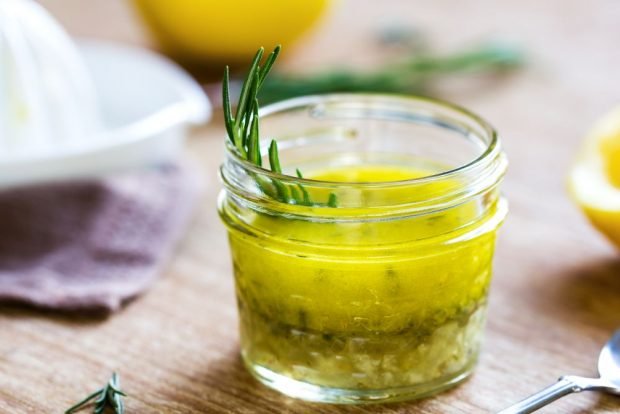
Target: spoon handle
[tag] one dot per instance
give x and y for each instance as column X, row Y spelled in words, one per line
column 564, row 386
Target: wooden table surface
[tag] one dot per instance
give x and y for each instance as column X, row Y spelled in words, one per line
column 555, row 298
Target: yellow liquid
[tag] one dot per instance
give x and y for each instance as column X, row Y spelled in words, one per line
column 369, row 174
column 365, row 305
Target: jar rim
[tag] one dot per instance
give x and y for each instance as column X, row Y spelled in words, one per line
column 492, row 147
column 464, row 182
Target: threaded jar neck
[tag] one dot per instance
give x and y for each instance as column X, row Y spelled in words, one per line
column 461, row 151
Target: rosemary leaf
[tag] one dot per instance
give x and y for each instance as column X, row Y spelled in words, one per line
column 116, row 393
column 281, row 190
column 269, row 63
column 305, row 195
column 274, row 158
column 274, row 162
column 332, row 201
column 296, row 194
column 108, row 396
column 306, row 198
column 249, row 114
column 254, row 154
column 85, row 401
column 247, row 85
column 228, row 119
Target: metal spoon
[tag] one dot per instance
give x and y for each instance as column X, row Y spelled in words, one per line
column 609, row 381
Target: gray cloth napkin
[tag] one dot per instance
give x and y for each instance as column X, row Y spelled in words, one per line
column 91, row 245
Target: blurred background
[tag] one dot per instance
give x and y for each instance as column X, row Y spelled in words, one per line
column 540, row 72
column 567, row 46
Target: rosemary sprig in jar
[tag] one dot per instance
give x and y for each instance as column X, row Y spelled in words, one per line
column 243, row 132
column 108, row 396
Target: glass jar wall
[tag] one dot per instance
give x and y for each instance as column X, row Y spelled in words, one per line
column 367, row 279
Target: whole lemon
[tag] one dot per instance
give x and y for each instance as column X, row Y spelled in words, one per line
column 207, row 31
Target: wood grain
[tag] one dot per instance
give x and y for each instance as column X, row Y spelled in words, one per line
column 555, row 297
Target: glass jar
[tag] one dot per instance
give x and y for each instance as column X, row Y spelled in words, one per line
column 373, row 290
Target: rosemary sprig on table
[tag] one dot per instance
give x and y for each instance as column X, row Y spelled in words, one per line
column 108, row 396
column 410, row 75
column 243, row 132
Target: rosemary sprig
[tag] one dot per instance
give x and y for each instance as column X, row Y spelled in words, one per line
column 108, row 396
column 243, row 132
column 411, row 75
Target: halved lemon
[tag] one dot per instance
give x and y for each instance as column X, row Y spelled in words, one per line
column 595, row 178
column 230, row 31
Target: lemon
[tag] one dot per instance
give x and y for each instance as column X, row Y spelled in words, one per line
column 204, row 31
column 595, row 179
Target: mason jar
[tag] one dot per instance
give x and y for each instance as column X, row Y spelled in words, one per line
column 374, row 286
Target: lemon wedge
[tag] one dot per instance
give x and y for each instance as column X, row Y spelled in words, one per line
column 595, row 178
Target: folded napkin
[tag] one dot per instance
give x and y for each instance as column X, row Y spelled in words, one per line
column 91, row 245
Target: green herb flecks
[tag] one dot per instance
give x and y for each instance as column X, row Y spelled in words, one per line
column 110, row 396
column 243, row 131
